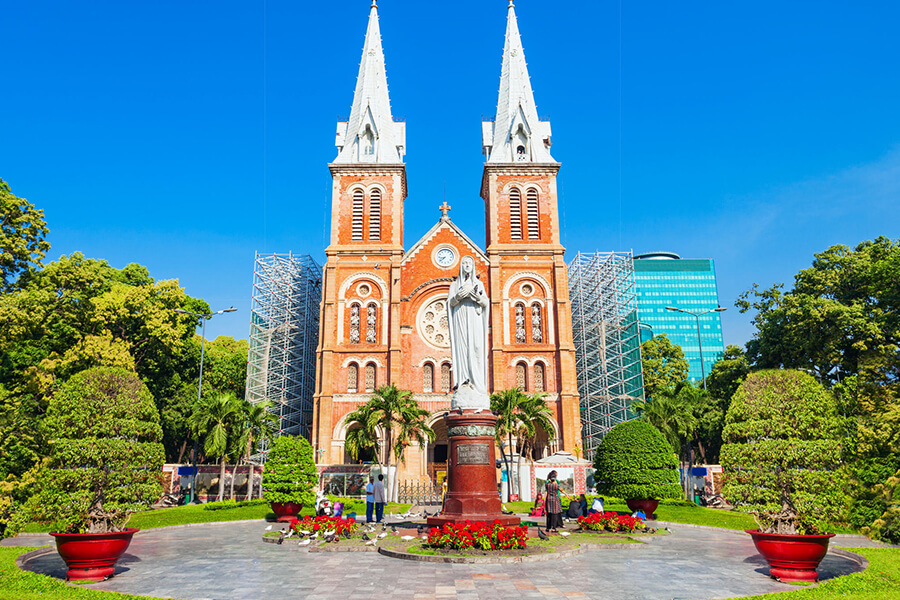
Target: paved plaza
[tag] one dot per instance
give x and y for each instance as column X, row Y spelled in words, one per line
column 229, row 561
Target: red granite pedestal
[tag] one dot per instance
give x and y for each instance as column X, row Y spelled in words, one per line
column 471, row 472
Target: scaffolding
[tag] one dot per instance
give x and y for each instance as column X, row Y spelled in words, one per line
column 284, row 332
column 607, row 341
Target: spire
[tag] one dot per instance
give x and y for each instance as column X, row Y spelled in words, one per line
column 371, row 135
column 516, row 135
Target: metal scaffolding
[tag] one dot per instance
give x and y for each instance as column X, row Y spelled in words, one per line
column 284, row 332
column 607, row 341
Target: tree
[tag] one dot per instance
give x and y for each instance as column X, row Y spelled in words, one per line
column 782, row 458
column 290, row 474
column 105, row 456
column 256, row 425
column 534, row 414
column 664, row 364
column 506, row 404
column 635, row 461
column 22, row 232
column 363, row 437
column 214, row 420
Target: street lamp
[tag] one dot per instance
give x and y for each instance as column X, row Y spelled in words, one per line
column 205, row 317
column 699, row 343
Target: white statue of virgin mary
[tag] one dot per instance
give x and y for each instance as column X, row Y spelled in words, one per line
column 467, row 308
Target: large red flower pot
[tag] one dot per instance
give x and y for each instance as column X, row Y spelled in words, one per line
column 92, row 556
column 791, row 557
column 286, row 511
column 648, row 506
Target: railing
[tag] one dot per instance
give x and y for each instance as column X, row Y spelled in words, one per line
column 418, row 492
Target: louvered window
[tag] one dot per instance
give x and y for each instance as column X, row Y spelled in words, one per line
column 375, row 215
column 515, row 214
column 520, row 375
column 352, row 378
column 428, row 378
column 354, row 324
column 538, row 377
column 358, row 215
column 537, row 328
column 534, row 222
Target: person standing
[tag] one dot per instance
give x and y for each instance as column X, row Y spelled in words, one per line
column 378, row 498
column 370, row 498
column 553, row 504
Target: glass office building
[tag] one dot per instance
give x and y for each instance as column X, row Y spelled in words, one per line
column 664, row 279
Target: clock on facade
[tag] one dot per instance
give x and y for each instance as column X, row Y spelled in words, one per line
column 445, row 257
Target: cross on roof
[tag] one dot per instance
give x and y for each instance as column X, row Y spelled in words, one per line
column 444, row 208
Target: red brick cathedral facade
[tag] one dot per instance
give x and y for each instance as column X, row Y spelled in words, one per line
column 384, row 314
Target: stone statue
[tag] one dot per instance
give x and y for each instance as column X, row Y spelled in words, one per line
column 467, row 308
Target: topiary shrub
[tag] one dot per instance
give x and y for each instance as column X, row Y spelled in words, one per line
column 634, row 460
column 783, row 452
column 105, row 453
column 290, row 474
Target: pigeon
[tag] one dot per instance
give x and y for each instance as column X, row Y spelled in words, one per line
column 269, row 528
column 425, row 537
column 542, row 535
column 420, row 529
column 290, row 532
column 329, row 533
column 477, row 411
column 393, row 529
column 303, row 543
column 415, row 515
column 347, row 534
column 384, row 526
column 371, row 542
column 564, row 533
column 314, row 536
column 407, row 538
column 365, row 537
column 382, row 535
column 304, row 532
column 331, row 538
column 281, row 538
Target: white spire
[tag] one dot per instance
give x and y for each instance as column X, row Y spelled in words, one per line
column 516, row 135
column 371, row 136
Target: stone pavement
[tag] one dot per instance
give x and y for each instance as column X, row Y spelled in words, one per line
column 229, row 561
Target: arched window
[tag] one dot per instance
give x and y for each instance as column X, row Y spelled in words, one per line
column 428, row 378
column 534, row 221
column 515, row 214
column 352, row 378
column 370, row 377
column 371, row 324
column 538, row 377
column 375, row 214
column 520, row 376
column 537, row 325
column 357, row 229
column 520, row 323
column 354, row 323
column 445, row 377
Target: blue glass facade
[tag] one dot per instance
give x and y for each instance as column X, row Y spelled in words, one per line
column 664, row 279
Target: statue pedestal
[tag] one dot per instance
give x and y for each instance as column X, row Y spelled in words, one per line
column 472, row 472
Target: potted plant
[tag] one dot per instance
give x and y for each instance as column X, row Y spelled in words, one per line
column 105, row 462
column 782, row 454
column 290, row 477
column 634, row 461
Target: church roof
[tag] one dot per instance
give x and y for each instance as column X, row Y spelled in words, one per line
column 371, row 135
column 516, row 134
column 444, row 223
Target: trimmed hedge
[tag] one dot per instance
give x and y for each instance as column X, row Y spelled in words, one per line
column 290, row 474
column 634, row 460
column 783, row 452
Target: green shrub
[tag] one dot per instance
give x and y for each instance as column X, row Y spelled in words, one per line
column 290, row 474
column 887, row 526
column 634, row 460
column 105, row 453
column 782, row 458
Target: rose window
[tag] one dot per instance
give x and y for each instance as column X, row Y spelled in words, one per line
column 434, row 324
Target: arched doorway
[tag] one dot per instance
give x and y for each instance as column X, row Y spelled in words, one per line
column 366, row 455
column 438, row 452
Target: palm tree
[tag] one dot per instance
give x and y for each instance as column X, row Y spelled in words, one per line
column 213, row 419
column 364, row 437
column 256, row 425
column 506, row 405
column 411, row 427
column 533, row 414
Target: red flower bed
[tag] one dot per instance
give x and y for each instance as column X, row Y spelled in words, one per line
column 338, row 524
column 484, row 536
column 610, row 521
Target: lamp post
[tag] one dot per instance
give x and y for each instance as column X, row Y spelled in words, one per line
column 205, row 317
column 699, row 343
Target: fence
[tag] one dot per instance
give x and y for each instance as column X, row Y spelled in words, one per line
column 418, row 492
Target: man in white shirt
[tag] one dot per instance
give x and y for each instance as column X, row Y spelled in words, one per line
column 379, row 498
column 370, row 498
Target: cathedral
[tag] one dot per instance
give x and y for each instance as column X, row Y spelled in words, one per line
column 384, row 305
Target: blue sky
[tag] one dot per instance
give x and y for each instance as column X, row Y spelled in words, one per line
column 187, row 135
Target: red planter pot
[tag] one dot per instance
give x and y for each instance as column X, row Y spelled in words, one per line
column 648, row 506
column 286, row 511
column 92, row 556
column 791, row 557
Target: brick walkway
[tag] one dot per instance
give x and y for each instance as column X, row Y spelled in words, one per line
column 230, row 562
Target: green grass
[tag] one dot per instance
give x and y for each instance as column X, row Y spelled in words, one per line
column 881, row 581
column 16, row 584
